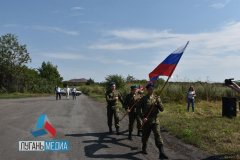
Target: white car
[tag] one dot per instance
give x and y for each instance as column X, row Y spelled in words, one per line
column 64, row 93
column 78, row 93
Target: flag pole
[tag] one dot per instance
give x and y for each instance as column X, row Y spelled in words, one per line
column 164, row 86
column 129, row 110
column 171, row 72
column 151, row 109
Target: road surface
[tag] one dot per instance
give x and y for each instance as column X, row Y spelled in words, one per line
column 83, row 123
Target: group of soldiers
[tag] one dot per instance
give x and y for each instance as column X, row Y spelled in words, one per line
column 141, row 108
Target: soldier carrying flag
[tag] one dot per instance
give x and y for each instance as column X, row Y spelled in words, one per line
column 148, row 109
column 150, row 105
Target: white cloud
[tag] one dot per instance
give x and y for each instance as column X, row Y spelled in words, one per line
column 88, row 22
column 219, row 5
column 77, row 56
column 225, row 39
column 105, row 60
column 139, row 34
column 213, row 54
column 75, row 11
column 76, row 8
column 44, row 28
column 66, row 56
column 55, row 30
column 10, row 25
column 125, row 46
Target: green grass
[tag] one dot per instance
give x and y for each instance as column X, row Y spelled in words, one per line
column 100, row 98
column 21, row 95
column 205, row 128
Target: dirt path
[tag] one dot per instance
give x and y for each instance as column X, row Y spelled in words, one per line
column 83, row 123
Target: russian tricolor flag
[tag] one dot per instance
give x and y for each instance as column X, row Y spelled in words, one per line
column 167, row 67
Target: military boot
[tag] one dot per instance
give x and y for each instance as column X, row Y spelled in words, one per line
column 144, row 149
column 162, row 154
column 110, row 130
column 117, row 130
column 130, row 135
column 139, row 133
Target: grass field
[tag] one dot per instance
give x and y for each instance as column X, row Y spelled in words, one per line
column 206, row 128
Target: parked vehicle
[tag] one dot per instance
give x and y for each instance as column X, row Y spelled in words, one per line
column 78, row 93
column 64, row 92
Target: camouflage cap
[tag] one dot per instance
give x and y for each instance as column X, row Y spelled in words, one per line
column 150, row 86
column 134, row 87
column 112, row 83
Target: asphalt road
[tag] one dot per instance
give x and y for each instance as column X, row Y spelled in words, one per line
column 83, row 123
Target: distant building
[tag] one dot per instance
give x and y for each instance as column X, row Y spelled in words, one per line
column 81, row 80
column 76, row 82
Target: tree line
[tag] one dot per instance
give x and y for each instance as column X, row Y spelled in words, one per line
column 16, row 76
column 173, row 92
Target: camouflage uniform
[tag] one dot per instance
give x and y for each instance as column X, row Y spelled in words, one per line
column 113, row 108
column 152, row 124
column 131, row 102
column 153, row 103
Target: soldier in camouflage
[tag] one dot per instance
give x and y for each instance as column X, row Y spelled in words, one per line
column 148, row 108
column 113, row 97
column 130, row 104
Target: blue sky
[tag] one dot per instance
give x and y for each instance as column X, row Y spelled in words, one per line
column 96, row 38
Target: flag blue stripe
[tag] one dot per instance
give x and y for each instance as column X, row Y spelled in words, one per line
column 154, row 78
column 168, row 66
column 172, row 59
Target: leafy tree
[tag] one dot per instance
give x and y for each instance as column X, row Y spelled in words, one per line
column 13, row 56
column 90, row 82
column 49, row 72
column 117, row 79
column 130, row 79
column 16, row 76
column 30, row 80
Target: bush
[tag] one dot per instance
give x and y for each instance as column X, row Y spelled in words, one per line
column 177, row 92
column 117, row 79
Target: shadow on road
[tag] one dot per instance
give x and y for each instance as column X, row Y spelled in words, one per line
column 224, row 157
column 105, row 140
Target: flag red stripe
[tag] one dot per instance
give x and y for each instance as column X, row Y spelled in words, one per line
column 163, row 69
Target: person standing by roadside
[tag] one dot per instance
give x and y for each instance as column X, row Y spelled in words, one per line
column 67, row 92
column 191, row 98
column 74, row 93
column 55, row 91
column 58, row 93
